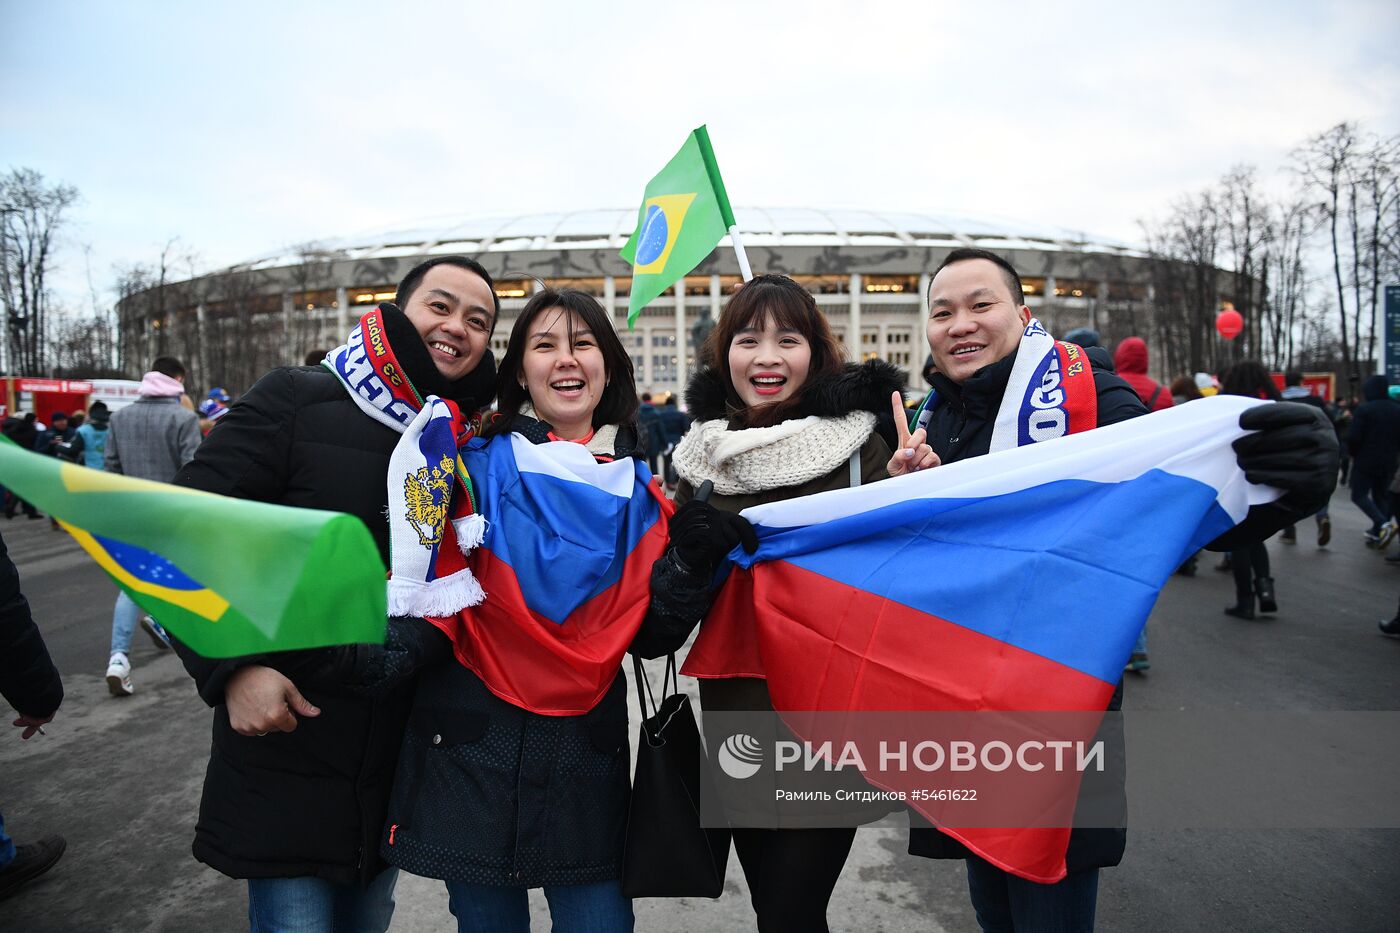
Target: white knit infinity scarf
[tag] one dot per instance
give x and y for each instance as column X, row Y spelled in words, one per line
column 754, row 459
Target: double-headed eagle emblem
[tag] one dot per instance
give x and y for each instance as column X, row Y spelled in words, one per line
column 427, row 493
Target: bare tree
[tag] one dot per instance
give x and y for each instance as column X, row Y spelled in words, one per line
column 31, row 216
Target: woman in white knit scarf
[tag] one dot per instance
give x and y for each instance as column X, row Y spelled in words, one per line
column 778, row 414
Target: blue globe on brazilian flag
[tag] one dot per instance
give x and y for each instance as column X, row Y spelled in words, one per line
column 684, row 214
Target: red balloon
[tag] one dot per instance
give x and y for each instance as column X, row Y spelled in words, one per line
column 1229, row 323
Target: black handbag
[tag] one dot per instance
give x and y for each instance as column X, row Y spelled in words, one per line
column 668, row 853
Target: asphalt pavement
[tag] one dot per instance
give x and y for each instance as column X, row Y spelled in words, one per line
column 121, row 778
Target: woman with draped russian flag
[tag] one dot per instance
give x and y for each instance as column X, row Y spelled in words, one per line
column 778, row 414
column 514, row 767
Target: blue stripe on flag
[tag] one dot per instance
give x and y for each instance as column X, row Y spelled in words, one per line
column 1055, row 569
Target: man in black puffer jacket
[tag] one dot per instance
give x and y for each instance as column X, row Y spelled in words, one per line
column 977, row 314
column 300, row 772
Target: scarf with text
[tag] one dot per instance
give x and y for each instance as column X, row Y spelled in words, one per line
column 1049, row 394
column 433, row 520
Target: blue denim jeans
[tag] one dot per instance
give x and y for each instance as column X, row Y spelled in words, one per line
column 314, row 905
column 7, row 846
column 574, row 908
column 125, row 617
column 1006, row 903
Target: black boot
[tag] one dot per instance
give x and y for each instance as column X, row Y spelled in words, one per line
column 1243, row 608
column 1264, row 586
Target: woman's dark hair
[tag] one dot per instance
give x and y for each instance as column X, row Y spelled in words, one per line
column 1185, row 386
column 789, row 306
column 409, row 284
column 618, row 403
column 1250, row 379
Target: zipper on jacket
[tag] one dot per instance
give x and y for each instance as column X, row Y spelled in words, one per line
column 392, row 828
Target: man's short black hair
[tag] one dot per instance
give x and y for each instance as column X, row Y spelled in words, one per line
column 964, row 253
column 169, row 366
column 1292, row 378
column 410, row 282
column 59, row 414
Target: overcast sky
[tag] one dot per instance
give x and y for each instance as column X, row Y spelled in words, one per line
column 244, row 127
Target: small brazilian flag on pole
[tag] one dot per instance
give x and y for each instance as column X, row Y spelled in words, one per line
column 685, row 212
column 227, row 577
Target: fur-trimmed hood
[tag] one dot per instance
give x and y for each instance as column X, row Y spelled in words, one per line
column 855, row 387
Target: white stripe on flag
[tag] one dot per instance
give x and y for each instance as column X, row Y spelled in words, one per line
column 573, row 463
column 1191, row 440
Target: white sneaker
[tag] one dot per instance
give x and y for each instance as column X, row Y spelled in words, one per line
column 119, row 676
column 1387, row 535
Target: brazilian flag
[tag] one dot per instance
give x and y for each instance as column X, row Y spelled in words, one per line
column 227, row 577
column 685, row 211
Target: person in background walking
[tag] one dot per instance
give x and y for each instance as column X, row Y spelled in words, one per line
column 25, row 433
column 90, row 444
column 653, row 433
column 1374, row 442
column 1130, row 360
column 1251, row 563
column 150, row 439
column 1295, row 391
column 676, row 423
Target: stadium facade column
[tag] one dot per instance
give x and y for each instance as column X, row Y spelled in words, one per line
column 1101, row 300
column 647, row 351
column 1047, row 305
column 610, row 298
column 287, row 337
column 201, row 340
column 680, row 335
column 342, row 315
column 854, row 346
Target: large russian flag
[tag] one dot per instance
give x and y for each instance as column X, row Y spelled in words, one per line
column 1017, row 581
column 566, row 567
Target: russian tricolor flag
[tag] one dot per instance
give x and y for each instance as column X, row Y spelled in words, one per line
column 566, row 567
column 1016, row 581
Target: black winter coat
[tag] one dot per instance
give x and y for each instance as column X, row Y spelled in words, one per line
column 961, row 428
column 28, row 679
column 1374, row 438
column 489, row 793
column 308, row 802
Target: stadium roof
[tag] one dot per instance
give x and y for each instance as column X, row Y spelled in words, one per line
column 609, row 228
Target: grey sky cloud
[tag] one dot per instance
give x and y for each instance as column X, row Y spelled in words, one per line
column 242, row 128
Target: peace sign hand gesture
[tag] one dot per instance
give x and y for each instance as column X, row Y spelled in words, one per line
column 914, row 453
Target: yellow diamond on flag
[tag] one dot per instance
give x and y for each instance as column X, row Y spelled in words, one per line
column 661, row 225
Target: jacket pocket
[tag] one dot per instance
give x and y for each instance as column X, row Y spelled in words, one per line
column 433, row 732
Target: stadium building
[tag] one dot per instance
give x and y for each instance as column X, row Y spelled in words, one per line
column 869, row 271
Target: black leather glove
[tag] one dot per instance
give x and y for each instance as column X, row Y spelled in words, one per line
column 1294, row 449
column 701, row 535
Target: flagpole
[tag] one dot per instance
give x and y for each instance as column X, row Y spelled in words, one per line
column 739, row 253
column 707, row 152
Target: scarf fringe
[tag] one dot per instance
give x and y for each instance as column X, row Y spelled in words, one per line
column 445, row 596
column 471, row 532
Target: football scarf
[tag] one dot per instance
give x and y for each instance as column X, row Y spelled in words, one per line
column 1049, row 394
column 433, row 521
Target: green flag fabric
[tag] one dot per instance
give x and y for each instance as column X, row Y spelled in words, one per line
column 227, row 577
column 684, row 214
